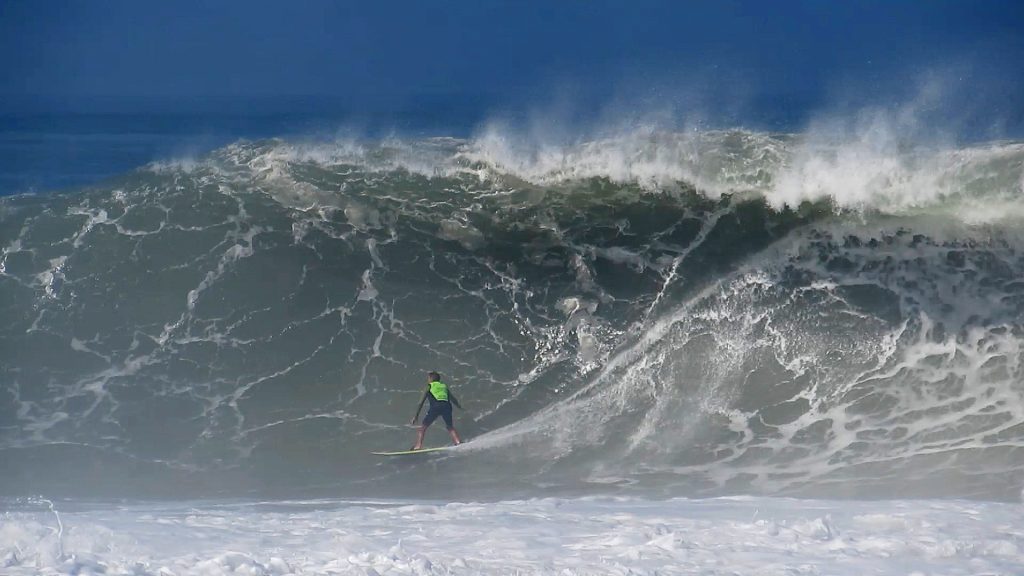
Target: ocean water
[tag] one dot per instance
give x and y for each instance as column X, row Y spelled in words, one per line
column 681, row 351
column 720, row 536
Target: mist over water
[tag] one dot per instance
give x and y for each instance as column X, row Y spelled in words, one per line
column 832, row 313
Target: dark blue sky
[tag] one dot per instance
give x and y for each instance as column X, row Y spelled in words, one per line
column 385, row 55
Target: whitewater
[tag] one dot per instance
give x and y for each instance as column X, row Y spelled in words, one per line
column 681, row 352
column 741, row 535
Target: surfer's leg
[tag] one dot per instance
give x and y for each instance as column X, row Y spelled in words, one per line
column 419, row 437
column 422, row 431
column 447, row 416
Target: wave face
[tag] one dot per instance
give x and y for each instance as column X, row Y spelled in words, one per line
column 673, row 314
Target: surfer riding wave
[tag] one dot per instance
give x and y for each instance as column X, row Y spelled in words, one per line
column 441, row 399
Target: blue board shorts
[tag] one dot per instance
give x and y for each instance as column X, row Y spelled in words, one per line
column 442, row 409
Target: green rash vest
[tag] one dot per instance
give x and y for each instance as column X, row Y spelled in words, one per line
column 439, row 390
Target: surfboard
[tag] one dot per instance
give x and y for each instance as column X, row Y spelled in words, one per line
column 407, row 452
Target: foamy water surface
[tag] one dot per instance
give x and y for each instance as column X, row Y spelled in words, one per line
column 722, row 536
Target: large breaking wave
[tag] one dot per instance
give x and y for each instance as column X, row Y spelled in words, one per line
column 676, row 313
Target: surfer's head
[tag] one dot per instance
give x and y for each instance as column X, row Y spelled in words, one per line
column 433, row 376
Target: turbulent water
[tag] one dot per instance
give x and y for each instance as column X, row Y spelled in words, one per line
column 732, row 536
column 652, row 313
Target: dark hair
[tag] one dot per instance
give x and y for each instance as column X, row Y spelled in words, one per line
column 434, row 376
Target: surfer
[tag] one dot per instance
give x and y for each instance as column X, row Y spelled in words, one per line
column 441, row 400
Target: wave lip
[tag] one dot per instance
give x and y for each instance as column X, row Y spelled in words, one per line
column 866, row 170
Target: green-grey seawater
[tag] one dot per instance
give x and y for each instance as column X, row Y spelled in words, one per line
column 664, row 314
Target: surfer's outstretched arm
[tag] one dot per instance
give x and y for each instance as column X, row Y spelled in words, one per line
column 454, row 400
column 420, row 407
